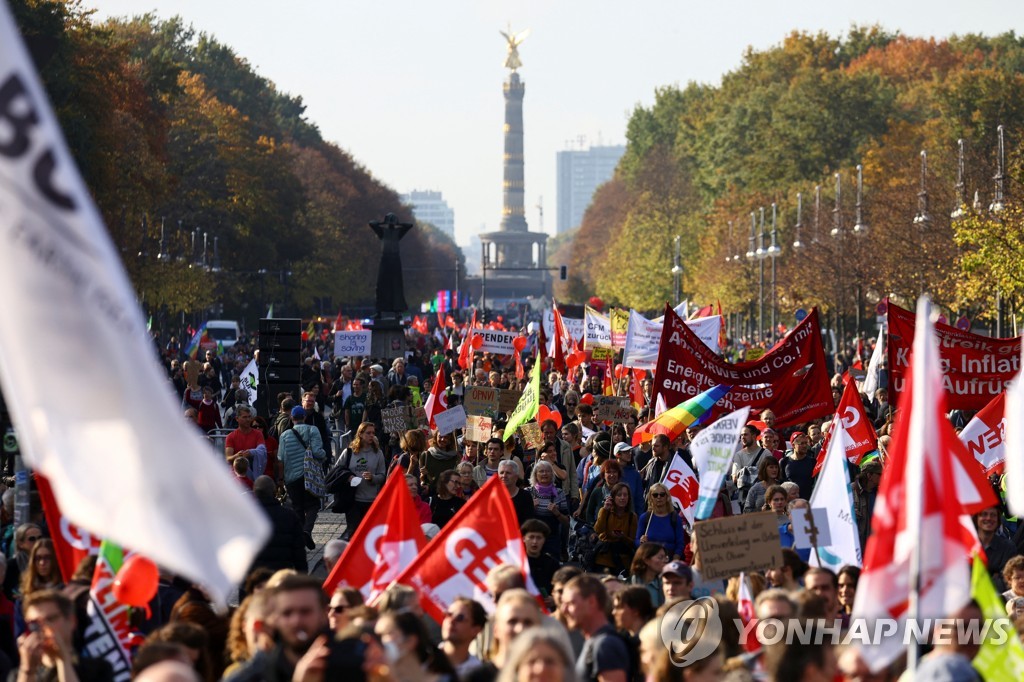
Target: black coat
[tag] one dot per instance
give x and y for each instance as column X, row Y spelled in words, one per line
column 286, row 547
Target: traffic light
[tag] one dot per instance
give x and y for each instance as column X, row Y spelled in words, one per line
column 563, row 272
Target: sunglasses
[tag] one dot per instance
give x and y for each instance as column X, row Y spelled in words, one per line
column 339, row 608
column 33, row 538
column 456, row 617
column 659, row 495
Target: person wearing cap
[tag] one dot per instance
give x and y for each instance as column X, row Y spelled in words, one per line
column 676, row 582
column 292, row 453
column 377, row 377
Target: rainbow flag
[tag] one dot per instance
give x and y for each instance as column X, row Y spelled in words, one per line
column 673, row 422
column 192, row 350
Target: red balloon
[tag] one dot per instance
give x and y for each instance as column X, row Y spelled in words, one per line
column 137, row 581
column 640, row 374
column 596, row 303
column 587, row 399
column 477, row 341
column 621, row 371
column 519, row 343
column 544, row 414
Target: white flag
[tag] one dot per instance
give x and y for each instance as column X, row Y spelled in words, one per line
column 643, row 338
column 251, row 380
column 874, row 366
column 833, row 493
column 712, row 450
column 683, row 487
column 1015, row 446
column 123, row 462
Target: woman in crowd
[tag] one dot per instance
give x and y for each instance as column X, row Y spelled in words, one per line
column 768, row 474
column 549, row 453
column 848, row 578
column 611, row 474
column 448, row 499
column 42, row 573
column 615, row 527
column 631, row 608
column 413, row 443
column 343, row 602
column 770, row 442
column 467, row 486
column 540, row 654
column 442, row 455
column 661, row 524
column 367, row 464
column 645, row 570
column 422, row 508
column 414, row 658
column 549, row 505
column 517, row 611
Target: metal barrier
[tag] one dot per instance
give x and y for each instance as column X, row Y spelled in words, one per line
column 217, row 437
column 341, row 440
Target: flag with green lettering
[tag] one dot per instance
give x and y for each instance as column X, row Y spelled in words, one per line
column 1001, row 656
column 528, row 404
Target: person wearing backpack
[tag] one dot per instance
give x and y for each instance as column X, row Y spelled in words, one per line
column 745, row 461
column 605, row 655
column 296, row 443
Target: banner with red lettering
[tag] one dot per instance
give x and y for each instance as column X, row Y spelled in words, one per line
column 985, row 436
column 975, row 368
column 71, row 544
column 861, row 432
column 792, row 379
column 483, row 534
column 388, row 538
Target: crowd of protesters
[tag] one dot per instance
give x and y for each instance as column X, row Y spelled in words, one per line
column 607, row 550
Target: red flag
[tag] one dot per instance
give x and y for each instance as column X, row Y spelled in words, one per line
column 388, row 538
column 466, row 349
column 437, row 401
column 984, row 436
column 863, row 438
column 745, row 605
column 636, row 397
column 917, row 511
column 71, row 544
column 562, row 342
column 440, row 320
column 449, row 322
column 338, row 323
column 483, row 534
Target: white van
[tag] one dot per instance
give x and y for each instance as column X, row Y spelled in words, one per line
column 224, row 332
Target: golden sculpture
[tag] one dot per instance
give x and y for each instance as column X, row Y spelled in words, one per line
column 514, row 40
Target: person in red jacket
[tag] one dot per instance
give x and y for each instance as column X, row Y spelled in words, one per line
column 208, row 409
column 422, row 508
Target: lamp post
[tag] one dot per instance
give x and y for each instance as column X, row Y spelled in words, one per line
column 861, row 225
column 677, row 272
column 797, row 244
column 997, row 204
column 773, row 252
column 761, row 255
column 837, row 232
column 751, row 250
column 958, row 188
column 923, row 219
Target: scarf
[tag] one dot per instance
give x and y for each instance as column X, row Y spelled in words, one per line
column 546, row 490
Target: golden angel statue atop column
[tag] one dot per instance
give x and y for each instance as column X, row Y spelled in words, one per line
column 514, row 40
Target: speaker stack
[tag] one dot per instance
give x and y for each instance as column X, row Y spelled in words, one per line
column 279, row 364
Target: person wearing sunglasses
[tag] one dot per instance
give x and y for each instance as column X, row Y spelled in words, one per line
column 661, row 523
column 463, row 622
column 343, row 600
column 25, row 537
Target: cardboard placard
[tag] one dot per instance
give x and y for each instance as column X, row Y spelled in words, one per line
column 610, row 408
column 532, row 436
column 477, row 429
column 602, row 353
column 807, row 522
column 508, row 398
column 450, row 419
column 481, row 400
column 396, row 419
column 352, row 343
column 731, row 544
column 754, row 354
column 419, row 419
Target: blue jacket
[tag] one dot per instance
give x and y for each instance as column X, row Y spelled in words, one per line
column 292, row 452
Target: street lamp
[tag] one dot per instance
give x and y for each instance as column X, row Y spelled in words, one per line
column 761, row 253
column 773, row 252
column 817, row 213
column 677, row 272
column 751, row 250
column 797, row 244
column 923, row 219
column 860, row 226
column 997, row 205
column 837, row 217
column 958, row 210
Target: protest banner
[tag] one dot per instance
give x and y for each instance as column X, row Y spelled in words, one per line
column 615, row 409
column 71, row 544
column 793, row 379
column 108, row 632
column 597, row 330
column 449, row 420
column 533, row 437
column 574, row 326
column 480, row 400
column 619, row 322
column 352, row 344
column 975, row 368
column 477, row 429
column 728, row 545
column 508, row 398
column 396, row 419
column 838, row 542
column 712, row 450
column 495, row 341
column 985, row 436
column 811, row 529
column 643, row 338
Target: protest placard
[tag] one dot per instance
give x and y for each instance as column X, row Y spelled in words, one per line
column 352, row 343
column 728, row 545
column 508, row 398
column 396, row 419
column 477, row 429
column 498, row 342
column 450, row 419
column 610, row 408
column 532, row 436
column 481, row 400
column 810, row 528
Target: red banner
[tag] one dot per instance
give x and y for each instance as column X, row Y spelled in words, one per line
column 792, row 379
column 482, row 535
column 975, row 368
column 70, row 543
column 388, row 538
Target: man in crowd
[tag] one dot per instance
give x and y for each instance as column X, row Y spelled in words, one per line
column 605, row 657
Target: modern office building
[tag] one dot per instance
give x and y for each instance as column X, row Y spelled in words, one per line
column 580, row 173
column 430, row 207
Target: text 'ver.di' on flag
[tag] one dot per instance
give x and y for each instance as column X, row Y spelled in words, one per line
column 112, row 441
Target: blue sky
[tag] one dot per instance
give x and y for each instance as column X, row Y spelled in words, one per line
column 412, row 89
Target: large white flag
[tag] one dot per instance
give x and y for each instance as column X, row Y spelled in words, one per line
column 870, row 384
column 251, row 380
column 712, row 450
column 643, row 338
column 833, row 493
column 683, row 487
column 123, row 462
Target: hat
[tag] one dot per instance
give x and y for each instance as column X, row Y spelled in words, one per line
column 376, row 368
column 601, row 448
column 796, row 434
column 622, row 447
column 298, row 412
column 678, row 568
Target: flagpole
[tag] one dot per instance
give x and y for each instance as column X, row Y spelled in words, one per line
column 916, row 474
column 664, row 475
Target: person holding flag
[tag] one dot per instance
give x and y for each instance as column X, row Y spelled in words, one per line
column 661, row 523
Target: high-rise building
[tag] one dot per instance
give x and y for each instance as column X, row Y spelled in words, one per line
column 580, row 173
column 430, row 207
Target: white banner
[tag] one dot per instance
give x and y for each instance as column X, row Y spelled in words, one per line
column 59, row 263
column 352, row 344
column 833, row 492
column 573, row 325
column 712, row 450
column 683, row 487
column 450, row 419
column 597, row 329
column 498, row 342
column 643, row 338
column 251, row 380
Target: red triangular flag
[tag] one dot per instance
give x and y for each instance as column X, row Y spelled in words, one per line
column 863, row 438
column 437, row 401
column 388, row 538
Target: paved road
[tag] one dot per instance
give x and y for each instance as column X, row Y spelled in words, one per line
column 328, row 527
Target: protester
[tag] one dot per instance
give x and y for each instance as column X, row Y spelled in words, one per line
column 367, row 464
column 661, row 523
column 447, row 500
column 298, row 443
column 615, row 527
